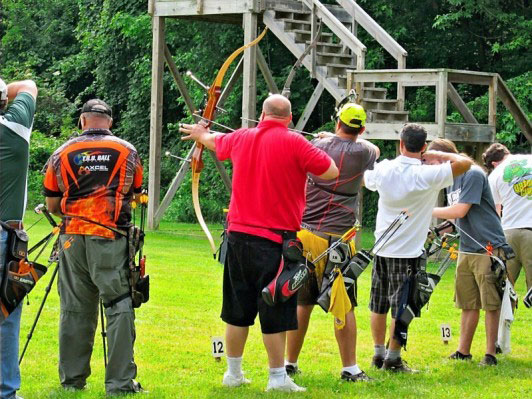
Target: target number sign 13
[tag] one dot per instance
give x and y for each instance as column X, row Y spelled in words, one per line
column 445, row 330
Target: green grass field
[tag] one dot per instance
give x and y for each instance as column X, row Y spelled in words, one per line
column 174, row 330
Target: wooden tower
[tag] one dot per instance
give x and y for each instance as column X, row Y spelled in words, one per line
column 337, row 61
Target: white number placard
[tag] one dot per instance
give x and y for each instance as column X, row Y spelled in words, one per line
column 218, row 346
column 445, row 331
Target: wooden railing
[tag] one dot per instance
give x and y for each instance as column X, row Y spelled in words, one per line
column 345, row 35
column 443, row 80
column 382, row 37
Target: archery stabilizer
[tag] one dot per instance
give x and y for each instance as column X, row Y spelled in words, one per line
column 357, row 264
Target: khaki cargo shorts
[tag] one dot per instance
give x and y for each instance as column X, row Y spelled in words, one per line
column 475, row 283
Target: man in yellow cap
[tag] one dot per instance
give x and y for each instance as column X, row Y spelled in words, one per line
column 329, row 213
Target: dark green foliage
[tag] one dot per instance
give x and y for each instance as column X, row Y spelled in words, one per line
column 78, row 49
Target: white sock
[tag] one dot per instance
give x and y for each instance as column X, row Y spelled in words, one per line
column 353, row 370
column 234, row 366
column 277, row 376
column 287, row 363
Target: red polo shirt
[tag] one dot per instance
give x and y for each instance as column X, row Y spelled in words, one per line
column 270, row 166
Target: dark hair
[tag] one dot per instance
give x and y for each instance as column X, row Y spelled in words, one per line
column 443, row 145
column 413, row 137
column 353, row 131
column 495, row 153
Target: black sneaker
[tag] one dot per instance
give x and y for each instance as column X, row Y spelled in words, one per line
column 292, row 370
column 498, row 349
column 488, row 360
column 398, row 366
column 460, row 356
column 347, row 376
column 377, row 361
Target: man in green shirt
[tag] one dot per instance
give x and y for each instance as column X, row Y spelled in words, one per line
column 16, row 120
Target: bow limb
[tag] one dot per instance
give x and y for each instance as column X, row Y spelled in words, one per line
column 208, row 115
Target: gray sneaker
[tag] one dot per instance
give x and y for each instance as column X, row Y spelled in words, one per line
column 398, row 366
column 292, row 370
column 488, row 360
column 346, row 376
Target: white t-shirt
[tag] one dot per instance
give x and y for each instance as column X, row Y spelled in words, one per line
column 511, row 186
column 405, row 184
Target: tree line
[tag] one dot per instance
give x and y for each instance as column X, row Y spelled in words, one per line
column 79, row 49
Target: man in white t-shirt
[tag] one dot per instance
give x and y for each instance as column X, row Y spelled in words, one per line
column 511, row 187
column 404, row 183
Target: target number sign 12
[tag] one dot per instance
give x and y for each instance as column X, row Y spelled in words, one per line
column 217, row 347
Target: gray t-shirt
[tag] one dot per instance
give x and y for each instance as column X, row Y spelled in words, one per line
column 331, row 204
column 481, row 222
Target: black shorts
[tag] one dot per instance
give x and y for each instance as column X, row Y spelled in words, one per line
column 387, row 279
column 251, row 263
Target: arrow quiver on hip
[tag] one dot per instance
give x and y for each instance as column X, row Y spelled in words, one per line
column 18, row 275
column 139, row 282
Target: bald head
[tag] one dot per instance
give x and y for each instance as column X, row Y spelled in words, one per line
column 277, row 106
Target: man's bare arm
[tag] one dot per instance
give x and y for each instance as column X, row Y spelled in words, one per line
column 199, row 134
column 23, row 86
column 455, row 211
column 53, row 204
column 330, row 173
column 459, row 163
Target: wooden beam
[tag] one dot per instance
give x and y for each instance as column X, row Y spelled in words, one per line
column 176, row 8
column 309, row 108
column 181, row 86
column 174, row 186
column 265, row 70
column 515, row 109
column 462, row 132
column 460, row 104
column 249, row 86
column 156, row 119
column 231, row 82
column 222, row 171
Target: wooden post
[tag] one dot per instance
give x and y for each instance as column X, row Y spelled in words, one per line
column 401, row 64
column 156, row 119
column 492, row 112
column 313, row 31
column 441, row 103
column 249, row 86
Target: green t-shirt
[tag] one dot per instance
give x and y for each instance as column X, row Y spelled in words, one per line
column 15, row 130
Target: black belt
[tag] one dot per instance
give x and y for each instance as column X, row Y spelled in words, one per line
column 14, row 224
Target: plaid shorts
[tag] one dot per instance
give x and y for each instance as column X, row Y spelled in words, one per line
column 387, row 278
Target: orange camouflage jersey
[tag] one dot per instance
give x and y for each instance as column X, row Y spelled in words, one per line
column 96, row 175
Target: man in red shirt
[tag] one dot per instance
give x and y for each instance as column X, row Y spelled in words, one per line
column 270, row 166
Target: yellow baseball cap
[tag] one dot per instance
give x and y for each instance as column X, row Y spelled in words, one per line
column 352, row 115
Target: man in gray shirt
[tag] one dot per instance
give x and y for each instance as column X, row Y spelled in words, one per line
column 481, row 235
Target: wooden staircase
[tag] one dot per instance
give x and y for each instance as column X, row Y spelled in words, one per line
column 333, row 57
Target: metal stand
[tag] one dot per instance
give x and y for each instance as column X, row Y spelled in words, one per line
column 104, row 334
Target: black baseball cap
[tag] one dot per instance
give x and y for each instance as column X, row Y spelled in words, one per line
column 98, row 106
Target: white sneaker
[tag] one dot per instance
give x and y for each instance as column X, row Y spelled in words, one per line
column 287, row 386
column 231, row 381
